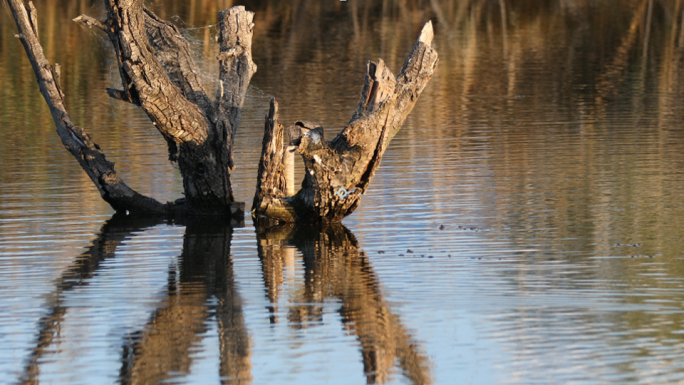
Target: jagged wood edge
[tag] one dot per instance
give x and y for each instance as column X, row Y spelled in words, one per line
column 348, row 162
column 162, row 55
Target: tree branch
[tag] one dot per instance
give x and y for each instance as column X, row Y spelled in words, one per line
column 76, row 140
column 90, row 22
column 145, row 79
column 159, row 75
column 172, row 51
column 236, row 69
column 339, row 172
column 235, row 57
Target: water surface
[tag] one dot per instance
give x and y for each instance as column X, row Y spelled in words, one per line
column 526, row 224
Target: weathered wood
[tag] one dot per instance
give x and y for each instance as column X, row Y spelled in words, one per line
column 338, row 172
column 158, row 74
column 145, row 79
column 236, row 69
column 288, row 164
column 271, row 183
column 172, row 51
column 76, row 140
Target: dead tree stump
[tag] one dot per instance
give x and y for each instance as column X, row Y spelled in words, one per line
column 158, row 74
column 339, row 171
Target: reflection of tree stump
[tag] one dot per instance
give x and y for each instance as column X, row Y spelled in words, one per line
column 336, row 268
column 205, row 272
column 163, row 348
column 84, row 267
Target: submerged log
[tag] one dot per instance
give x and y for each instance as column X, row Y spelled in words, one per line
column 339, row 171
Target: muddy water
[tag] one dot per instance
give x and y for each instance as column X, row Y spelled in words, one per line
column 526, row 225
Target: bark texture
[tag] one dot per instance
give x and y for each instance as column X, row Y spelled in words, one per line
column 75, row 139
column 339, row 171
column 158, row 74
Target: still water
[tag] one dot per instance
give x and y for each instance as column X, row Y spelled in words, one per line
column 526, row 225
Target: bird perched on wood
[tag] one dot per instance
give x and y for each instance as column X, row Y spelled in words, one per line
column 306, row 135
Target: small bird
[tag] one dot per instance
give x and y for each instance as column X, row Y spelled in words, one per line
column 306, row 134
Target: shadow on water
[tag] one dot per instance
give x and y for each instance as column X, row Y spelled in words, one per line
column 335, row 267
column 202, row 289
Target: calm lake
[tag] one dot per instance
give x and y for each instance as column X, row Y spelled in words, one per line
column 526, row 225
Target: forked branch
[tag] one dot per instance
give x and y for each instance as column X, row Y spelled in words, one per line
column 158, row 74
column 338, row 172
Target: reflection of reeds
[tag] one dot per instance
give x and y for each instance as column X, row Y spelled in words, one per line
column 615, row 71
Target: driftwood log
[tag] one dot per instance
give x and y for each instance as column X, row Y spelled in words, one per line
column 158, row 74
column 339, row 171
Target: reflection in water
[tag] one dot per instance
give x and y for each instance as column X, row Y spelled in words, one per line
column 336, row 268
column 205, row 276
column 200, row 290
column 554, row 124
column 113, row 232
